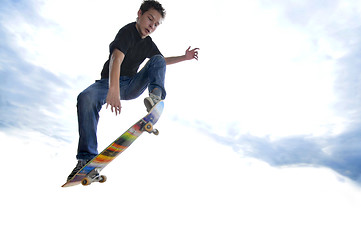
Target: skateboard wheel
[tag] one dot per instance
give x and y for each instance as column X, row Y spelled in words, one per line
column 86, row 181
column 102, row 178
column 156, row 132
column 148, row 127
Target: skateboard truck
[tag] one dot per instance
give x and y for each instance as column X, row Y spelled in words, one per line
column 149, row 128
column 94, row 177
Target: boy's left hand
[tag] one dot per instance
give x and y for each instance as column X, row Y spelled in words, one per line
column 191, row 54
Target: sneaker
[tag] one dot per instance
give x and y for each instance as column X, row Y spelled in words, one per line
column 80, row 165
column 150, row 101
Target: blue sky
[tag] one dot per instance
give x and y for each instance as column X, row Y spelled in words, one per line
column 268, row 119
column 31, row 96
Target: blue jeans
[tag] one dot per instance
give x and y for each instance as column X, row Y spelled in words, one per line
column 91, row 100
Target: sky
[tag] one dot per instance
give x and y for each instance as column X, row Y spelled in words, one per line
column 259, row 138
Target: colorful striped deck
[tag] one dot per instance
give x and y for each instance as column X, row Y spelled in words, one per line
column 118, row 146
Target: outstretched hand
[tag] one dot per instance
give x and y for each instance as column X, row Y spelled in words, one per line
column 191, row 54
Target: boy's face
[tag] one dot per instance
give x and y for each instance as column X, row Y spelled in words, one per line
column 148, row 22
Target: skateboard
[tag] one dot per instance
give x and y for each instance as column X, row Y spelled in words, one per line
column 90, row 172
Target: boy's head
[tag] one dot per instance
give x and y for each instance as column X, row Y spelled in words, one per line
column 148, row 4
column 150, row 16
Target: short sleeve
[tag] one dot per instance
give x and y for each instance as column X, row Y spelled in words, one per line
column 123, row 41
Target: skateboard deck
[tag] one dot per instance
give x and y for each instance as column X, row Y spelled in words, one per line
column 90, row 172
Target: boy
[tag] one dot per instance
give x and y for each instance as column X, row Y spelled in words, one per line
column 120, row 79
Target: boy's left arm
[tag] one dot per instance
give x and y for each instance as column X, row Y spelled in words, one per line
column 189, row 55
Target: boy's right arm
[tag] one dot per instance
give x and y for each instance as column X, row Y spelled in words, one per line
column 113, row 97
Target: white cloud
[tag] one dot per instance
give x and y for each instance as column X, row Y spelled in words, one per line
column 183, row 189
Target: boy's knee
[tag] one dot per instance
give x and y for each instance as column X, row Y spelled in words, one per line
column 158, row 59
column 85, row 100
column 82, row 98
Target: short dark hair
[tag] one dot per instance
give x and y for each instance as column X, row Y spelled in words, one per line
column 148, row 4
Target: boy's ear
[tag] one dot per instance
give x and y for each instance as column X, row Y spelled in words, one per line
column 140, row 13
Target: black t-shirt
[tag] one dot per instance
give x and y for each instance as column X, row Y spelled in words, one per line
column 135, row 49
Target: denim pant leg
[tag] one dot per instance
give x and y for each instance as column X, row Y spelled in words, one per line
column 90, row 102
column 152, row 76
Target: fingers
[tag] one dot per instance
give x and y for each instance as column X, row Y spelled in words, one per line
column 115, row 108
column 196, row 55
column 193, row 52
column 118, row 110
